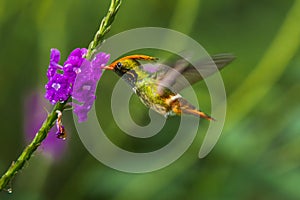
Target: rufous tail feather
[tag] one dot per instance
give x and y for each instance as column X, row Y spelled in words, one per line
column 198, row 114
column 181, row 105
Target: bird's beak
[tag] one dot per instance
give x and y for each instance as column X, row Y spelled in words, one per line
column 108, row 67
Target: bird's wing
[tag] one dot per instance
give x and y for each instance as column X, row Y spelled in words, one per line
column 184, row 74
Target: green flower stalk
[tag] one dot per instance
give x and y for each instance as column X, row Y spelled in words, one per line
column 104, row 27
column 59, row 107
column 31, row 148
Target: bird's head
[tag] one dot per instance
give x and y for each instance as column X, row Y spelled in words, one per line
column 127, row 63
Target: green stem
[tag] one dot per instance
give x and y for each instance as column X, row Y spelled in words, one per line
column 50, row 121
column 30, row 149
column 104, row 27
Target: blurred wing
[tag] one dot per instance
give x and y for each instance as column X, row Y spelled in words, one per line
column 184, row 74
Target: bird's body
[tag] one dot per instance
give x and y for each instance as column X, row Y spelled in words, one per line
column 147, row 92
column 153, row 88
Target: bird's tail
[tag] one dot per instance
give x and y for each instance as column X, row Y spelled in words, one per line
column 198, row 113
column 181, row 105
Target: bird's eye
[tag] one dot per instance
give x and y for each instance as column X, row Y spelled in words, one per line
column 119, row 65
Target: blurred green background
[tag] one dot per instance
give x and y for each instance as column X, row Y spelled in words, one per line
column 257, row 156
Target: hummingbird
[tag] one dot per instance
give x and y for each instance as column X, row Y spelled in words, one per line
column 159, row 89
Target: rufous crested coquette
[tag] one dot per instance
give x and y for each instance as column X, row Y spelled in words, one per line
column 158, row 90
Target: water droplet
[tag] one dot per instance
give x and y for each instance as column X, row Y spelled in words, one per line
column 9, row 190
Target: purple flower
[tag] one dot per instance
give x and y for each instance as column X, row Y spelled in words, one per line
column 86, row 83
column 61, row 78
column 73, row 63
column 62, row 85
column 53, row 65
column 58, row 88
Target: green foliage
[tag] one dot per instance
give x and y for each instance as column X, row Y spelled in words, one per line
column 257, row 156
